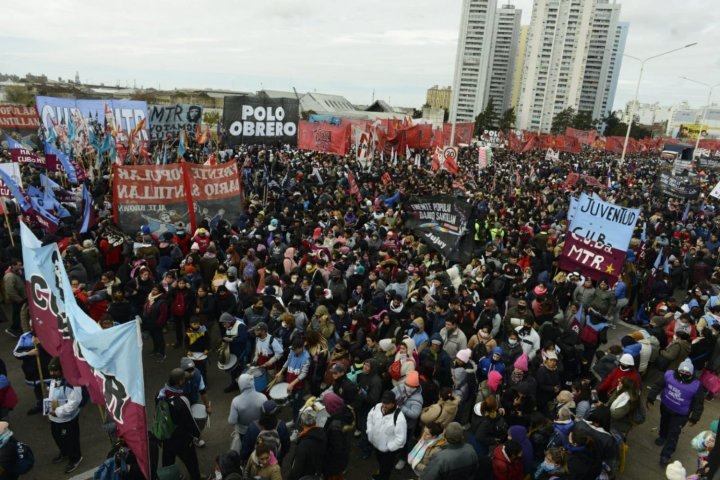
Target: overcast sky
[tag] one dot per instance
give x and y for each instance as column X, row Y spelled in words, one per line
column 396, row 48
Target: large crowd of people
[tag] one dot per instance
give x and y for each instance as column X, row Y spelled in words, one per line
column 505, row 367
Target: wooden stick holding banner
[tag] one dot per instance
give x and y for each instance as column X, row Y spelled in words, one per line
column 7, row 222
column 39, row 366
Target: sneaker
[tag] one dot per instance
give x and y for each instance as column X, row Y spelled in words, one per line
column 199, row 442
column 13, row 333
column 400, row 464
column 59, row 459
column 72, row 466
column 294, row 435
column 659, row 441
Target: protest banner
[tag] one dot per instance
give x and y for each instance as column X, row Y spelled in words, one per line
column 108, row 362
column 71, row 119
column 415, row 136
column 677, row 187
column 21, row 154
column 152, row 195
column 594, row 259
column 463, row 133
column 215, row 193
column 566, row 143
column 12, row 171
column 324, row 137
column 707, row 162
column 573, row 178
column 715, row 192
column 171, row 119
column 445, row 159
column 682, row 166
column 604, row 222
column 585, row 137
column 493, row 138
column 254, row 119
column 442, row 221
column 364, row 145
column 18, row 118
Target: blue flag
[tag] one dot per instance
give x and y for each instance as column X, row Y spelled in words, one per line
column 87, row 209
column 40, row 210
column 164, row 161
column 15, row 190
column 64, row 161
column 181, row 145
column 50, row 183
column 643, row 233
column 14, row 144
column 71, row 128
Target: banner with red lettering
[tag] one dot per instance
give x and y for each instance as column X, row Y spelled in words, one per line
column 215, row 193
column 463, row 133
column 19, row 118
column 564, row 143
column 586, row 137
column 324, row 137
column 595, row 260
column 152, row 195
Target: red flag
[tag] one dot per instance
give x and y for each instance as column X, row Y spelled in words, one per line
column 515, row 144
column 547, row 141
column 445, row 159
column 531, row 143
column 614, row 144
column 418, row 136
column 354, row 189
column 386, row 178
column 586, row 137
column 324, row 137
column 564, row 143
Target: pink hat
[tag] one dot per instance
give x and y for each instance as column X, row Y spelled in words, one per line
column 464, row 355
column 333, row 403
column 412, row 379
column 522, row 363
column 494, row 380
column 540, row 289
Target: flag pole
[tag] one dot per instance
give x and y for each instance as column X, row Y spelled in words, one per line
column 39, row 366
column 7, row 223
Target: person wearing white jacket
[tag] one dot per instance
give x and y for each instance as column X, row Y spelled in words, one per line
column 387, row 432
column 64, row 407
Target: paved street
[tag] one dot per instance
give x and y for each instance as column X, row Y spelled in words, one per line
column 642, row 458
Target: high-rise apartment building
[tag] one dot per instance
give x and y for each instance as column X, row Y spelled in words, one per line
column 572, row 59
column 506, row 41
column 472, row 62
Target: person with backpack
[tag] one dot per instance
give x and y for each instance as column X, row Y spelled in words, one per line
column 120, row 464
column 387, row 432
column 63, row 411
column 311, row 445
column 175, row 426
column 181, row 299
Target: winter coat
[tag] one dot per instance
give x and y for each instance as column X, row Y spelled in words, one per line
column 386, row 432
column 442, row 412
column 269, row 472
column 505, row 469
column 674, row 354
column 453, row 461
column 584, row 463
column 410, row 402
column 610, row 383
column 339, row 429
column 308, row 457
column 547, row 380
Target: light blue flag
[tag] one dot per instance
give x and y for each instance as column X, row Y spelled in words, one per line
column 164, row 161
column 14, row 144
column 15, row 190
column 39, row 207
column 64, row 161
column 72, row 129
column 643, row 234
column 116, row 351
column 181, row 145
column 87, row 208
column 48, row 182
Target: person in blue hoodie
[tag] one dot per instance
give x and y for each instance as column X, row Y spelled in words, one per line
column 631, row 346
column 489, row 363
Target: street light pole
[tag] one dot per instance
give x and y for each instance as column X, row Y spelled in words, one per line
column 705, row 109
column 637, row 91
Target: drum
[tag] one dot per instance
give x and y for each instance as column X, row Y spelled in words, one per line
column 260, row 376
column 200, row 415
column 279, row 393
column 229, row 364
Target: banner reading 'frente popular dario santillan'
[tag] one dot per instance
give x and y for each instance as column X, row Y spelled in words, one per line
column 442, row 221
column 215, row 192
column 255, row 119
column 152, row 195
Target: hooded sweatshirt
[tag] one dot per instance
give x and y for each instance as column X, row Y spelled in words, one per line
column 245, row 408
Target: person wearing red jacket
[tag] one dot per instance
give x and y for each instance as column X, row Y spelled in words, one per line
column 507, row 461
column 626, row 368
column 681, row 323
column 202, row 238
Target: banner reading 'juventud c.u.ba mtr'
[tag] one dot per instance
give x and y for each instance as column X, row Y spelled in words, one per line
column 160, row 196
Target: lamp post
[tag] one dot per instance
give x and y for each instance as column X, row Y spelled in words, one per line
column 705, row 109
column 637, row 91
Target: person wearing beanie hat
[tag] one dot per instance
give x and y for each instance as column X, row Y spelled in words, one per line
column 464, row 378
column 521, row 363
column 408, row 395
column 439, row 357
column 387, row 432
column 682, row 399
column 235, row 338
column 339, row 428
column 419, row 335
column 625, row 369
column 456, row 460
column 490, row 363
column 494, row 381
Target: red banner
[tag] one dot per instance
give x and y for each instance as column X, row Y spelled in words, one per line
column 463, row 133
column 564, row 143
column 417, row 136
column 586, row 137
column 709, row 144
column 215, row 193
column 572, row 179
column 547, row 141
column 531, row 143
column 515, row 144
column 354, row 189
column 324, row 137
column 18, row 117
column 595, row 260
column 614, row 144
